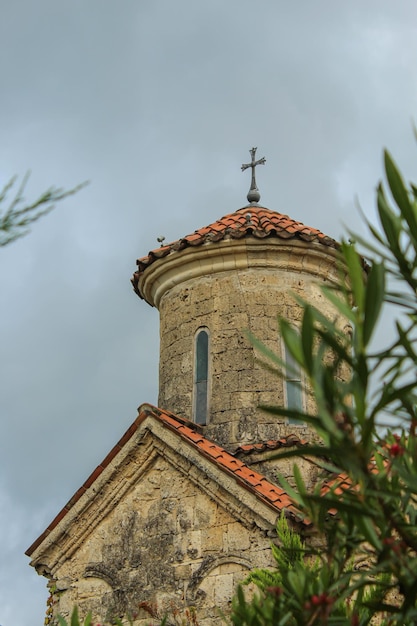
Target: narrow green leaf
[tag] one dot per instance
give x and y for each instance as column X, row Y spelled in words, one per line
column 345, row 308
column 299, row 481
column 374, row 297
column 400, row 194
column 74, row 617
column 396, row 183
column 356, row 275
column 368, row 529
column 88, row 620
column 292, row 341
column 264, row 350
column 292, row 493
column 343, row 504
column 389, row 222
column 380, row 252
column 332, row 342
column 406, row 341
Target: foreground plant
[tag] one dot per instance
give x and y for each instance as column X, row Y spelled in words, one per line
column 364, row 508
column 175, row 617
column 16, row 218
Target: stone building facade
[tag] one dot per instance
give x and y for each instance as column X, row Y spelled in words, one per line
column 187, row 501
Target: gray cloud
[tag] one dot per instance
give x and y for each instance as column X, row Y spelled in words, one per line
column 157, row 103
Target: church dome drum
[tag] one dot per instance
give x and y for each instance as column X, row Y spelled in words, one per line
column 214, row 286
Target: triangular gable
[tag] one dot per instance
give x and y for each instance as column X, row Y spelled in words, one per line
column 178, row 437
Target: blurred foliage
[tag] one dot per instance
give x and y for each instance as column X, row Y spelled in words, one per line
column 18, row 215
column 174, row 617
column 363, row 509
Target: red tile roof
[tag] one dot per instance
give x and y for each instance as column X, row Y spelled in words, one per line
column 255, row 221
column 273, row 444
column 253, row 481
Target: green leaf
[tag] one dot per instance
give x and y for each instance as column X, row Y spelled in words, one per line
column 406, row 341
column 332, row 342
column 343, row 504
column 366, row 526
column 299, row 481
column 400, row 194
column 374, row 298
column 389, row 222
column 366, row 244
column 345, row 308
column 264, row 350
column 292, row 341
column 74, row 617
column 356, row 274
column 396, row 183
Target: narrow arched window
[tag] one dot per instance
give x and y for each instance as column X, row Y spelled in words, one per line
column 293, row 386
column 201, row 367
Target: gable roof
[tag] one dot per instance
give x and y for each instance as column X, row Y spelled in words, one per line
column 255, row 221
column 270, row 494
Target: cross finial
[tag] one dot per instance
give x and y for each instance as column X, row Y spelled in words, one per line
column 253, row 195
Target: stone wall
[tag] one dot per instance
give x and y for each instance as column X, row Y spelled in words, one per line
column 168, row 544
column 228, row 303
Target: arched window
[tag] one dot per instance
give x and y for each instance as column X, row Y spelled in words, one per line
column 201, row 367
column 293, row 386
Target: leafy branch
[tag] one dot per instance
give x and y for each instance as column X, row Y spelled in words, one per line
column 18, row 216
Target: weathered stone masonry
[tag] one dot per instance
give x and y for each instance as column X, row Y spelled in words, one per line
column 177, row 513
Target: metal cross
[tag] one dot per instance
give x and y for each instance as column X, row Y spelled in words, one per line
column 253, row 194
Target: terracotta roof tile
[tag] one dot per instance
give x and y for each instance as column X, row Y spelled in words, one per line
column 337, row 484
column 227, row 460
column 253, row 478
column 284, row 442
column 211, row 448
column 254, row 221
column 190, row 434
column 270, row 491
column 253, row 481
column 175, row 423
column 193, row 237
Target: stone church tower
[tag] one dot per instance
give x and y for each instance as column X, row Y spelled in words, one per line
column 211, row 287
column 187, row 501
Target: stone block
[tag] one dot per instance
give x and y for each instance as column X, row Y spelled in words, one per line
column 212, row 539
column 236, row 539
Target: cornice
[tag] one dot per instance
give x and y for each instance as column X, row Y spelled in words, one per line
column 310, row 258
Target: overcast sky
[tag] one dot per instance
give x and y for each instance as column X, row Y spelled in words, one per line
column 157, row 104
